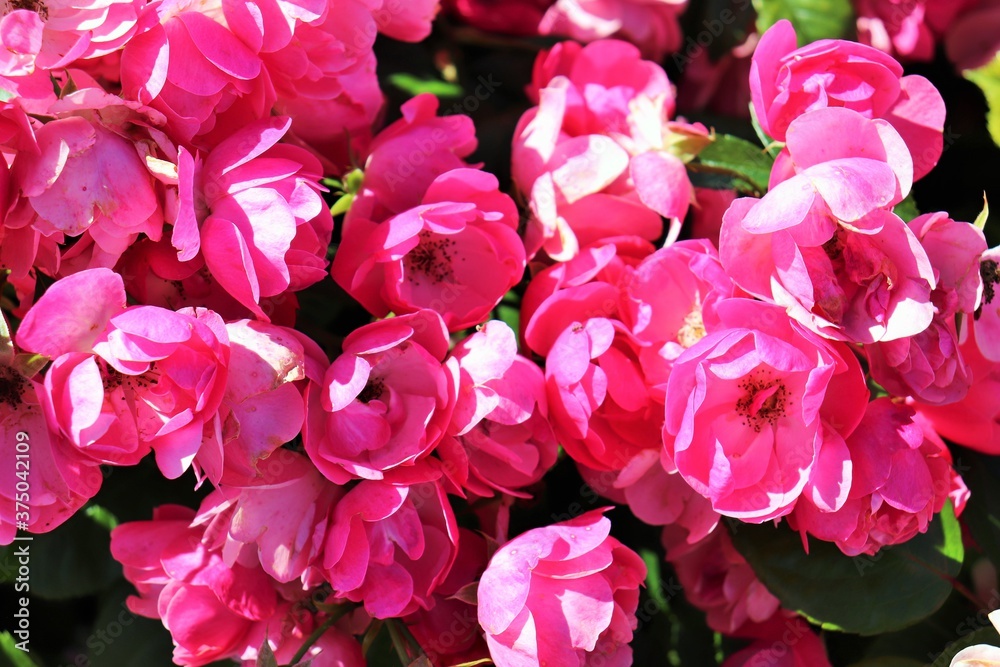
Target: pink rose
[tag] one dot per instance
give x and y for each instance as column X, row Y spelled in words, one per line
column 786, row 82
column 57, row 33
column 384, row 403
column 244, row 218
column 661, row 499
column 972, row 40
column 973, row 421
column 127, row 379
column 499, row 438
column 902, row 476
column 456, row 253
column 325, row 81
column 986, row 332
column 756, row 414
column 719, row 581
column 154, row 276
column 335, row 647
column 674, row 319
column 908, row 29
column 563, row 594
column 406, row 21
column 49, row 479
column 406, row 157
column 194, row 70
column 390, row 547
column 955, row 250
column 928, row 366
column 262, row 409
column 176, row 564
column 788, row 644
column 448, row 632
column 599, row 149
column 282, row 518
column 652, row 25
column 821, row 242
column 515, row 17
column 87, row 178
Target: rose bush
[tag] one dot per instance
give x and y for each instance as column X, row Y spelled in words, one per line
column 337, row 332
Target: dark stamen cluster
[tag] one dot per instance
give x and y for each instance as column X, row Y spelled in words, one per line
column 990, row 273
column 432, row 258
column 372, row 391
column 770, row 410
column 31, row 6
column 12, row 386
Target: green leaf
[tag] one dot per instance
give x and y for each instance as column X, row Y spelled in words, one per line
column 102, row 517
column 415, row 85
column 980, row 222
column 72, row 561
column 12, row 655
column 987, row 78
column 739, row 158
column 342, row 205
column 867, row 594
column 888, row 661
column 907, row 209
column 813, row 19
column 654, row 580
column 265, row 656
column 714, row 181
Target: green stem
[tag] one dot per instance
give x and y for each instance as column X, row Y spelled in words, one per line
column 318, row 632
column 398, row 642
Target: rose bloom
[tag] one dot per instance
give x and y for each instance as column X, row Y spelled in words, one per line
column 175, row 563
column 652, row 25
column 822, row 243
column 384, row 403
column 62, row 478
column 756, row 413
column 563, row 594
column 972, row 39
column 902, row 477
column 908, row 29
column 499, row 438
column 973, row 421
column 457, row 252
column 390, row 547
column 125, row 380
column 598, row 157
column 719, row 581
column 786, row 82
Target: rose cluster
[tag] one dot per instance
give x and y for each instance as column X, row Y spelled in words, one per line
column 797, row 355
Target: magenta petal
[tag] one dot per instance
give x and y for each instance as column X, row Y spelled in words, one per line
column 344, row 380
column 830, row 481
column 662, row 183
column 72, row 313
column 220, row 46
column 918, row 115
